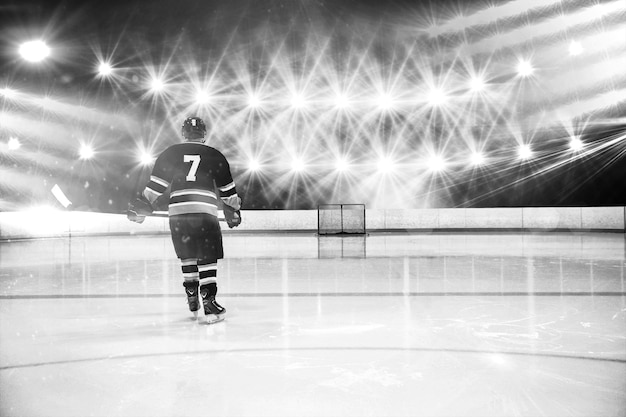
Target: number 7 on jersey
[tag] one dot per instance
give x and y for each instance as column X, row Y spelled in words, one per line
column 195, row 162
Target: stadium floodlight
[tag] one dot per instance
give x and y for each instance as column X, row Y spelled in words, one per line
column 145, row 158
column 297, row 165
column 436, row 97
column 525, row 68
column 297, row 101
column 385, row 101
column 477, row 84
column 436, row 163
column 86, row 152
column 202, row 97
column 254, row 165
column 157, row 84
column 105, row 69
column 8, row 92
column 254, row 101
column 525, row 152
column 386, row 165
column 576, row 144
column 341, row 165
column 13, row 143
column 341, row 101
column 477, row 159
column 575, row 48
column 34, row 51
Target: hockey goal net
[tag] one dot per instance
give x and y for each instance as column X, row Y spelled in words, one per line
column 334, row 219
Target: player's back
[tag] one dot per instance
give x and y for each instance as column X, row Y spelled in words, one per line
column 192, row 170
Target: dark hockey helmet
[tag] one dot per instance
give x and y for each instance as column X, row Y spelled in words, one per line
column 193, row 128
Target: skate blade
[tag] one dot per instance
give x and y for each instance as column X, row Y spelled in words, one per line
column 213, row 318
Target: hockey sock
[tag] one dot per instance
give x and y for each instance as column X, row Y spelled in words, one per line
column 191, row 284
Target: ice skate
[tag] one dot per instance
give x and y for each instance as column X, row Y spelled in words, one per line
column 213, row 312
column 192, row 299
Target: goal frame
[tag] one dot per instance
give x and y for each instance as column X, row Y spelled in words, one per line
column 341, row 230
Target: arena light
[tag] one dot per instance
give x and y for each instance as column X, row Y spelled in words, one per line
column 385, row 101
column 525, row 68
column 436, row 97
column 8, row 92
column 157, row 84
column 576, row 144
column 341, row 101
column 86, row 152
column 477, row 84
column 297, row 165
column 254, row 165
column 145, row 157
column 34, row 51
column 386, row 165
column 341, row 165
column 575, row 48
column 525, row 152
column 297, row 101
column 477, row 159
column 436, row 163
column 13, row 143
column 202, row 97
column 105, row 69
column 254, row 101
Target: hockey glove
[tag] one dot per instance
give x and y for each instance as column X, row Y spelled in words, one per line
column 138, row 209
column 232, row 216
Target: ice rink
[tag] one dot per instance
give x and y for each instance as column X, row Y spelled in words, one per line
column 392, row 324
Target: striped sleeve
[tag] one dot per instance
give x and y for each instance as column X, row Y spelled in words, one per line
column 226, row 186
column 159, row 178
column 155, row 188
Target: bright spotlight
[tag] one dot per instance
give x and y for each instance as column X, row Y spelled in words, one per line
column 86, row 152
column 14, row 143
column 145, row 158
column 525, row 152
column 297, row 165
column 105, row 69
column 477, row 84
column 34, row 51
column 254, row 165
column 524, row 68
column 341, row 101
column 436, row 97
column 477, row 159
column 157, row 84
column 436, row 163
column 341, row 165
column 576, row 144
column 297, row 101
column 254, row 101
column 202, row 97
column 8, row 93
column 385, row 165
column 575, row 48
column 385, row 101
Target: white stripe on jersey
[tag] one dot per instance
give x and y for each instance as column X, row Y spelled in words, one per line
column 193, row 192
column 188, row 207
column 159, row 181
column 227, row 187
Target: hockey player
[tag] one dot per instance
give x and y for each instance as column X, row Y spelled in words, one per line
column 196, row 176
